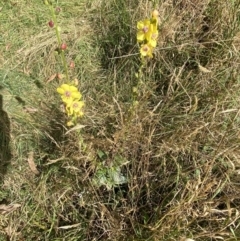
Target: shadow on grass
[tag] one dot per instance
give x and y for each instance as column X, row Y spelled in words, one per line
column 53, row 140
column 116, row 33
column 5, row 153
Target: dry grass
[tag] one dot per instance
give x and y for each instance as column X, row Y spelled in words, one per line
column 179, row 149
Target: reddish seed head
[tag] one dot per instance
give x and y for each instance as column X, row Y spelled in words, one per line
column 51, row 24
column 63, row 46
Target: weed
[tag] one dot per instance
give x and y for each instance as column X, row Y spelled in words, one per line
column 158, row 157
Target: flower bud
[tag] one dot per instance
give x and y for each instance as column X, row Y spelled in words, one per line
column 72, row 65
column 76, row 82
column 63, row 46
column 155, row 13
column 51, row 24
column 70, row 123
column 57, row 10
column 134, row 89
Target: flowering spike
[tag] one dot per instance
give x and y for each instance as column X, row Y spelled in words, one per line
column 147, row 34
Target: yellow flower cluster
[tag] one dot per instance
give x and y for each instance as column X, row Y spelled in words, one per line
column 71, row 97
column 147, row 34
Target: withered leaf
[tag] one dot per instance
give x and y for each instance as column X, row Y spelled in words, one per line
column 70, row 226
column 203, row 69
column 51, row 78
column 30, row 110
column 77, row 127
column 8, row 208
column 32, row 164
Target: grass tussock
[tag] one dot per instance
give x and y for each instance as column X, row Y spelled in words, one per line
column 164, row 169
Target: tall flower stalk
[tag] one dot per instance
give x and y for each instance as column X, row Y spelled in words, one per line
column 61, row 46
column 147, row 35
column 70, row 95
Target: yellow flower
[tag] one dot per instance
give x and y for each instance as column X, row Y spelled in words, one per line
column 75, row 108
column 146, row 50
column 69, row 93
column 143, row 29
column 152, row 36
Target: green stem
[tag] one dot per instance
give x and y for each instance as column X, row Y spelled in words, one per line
column 82, row 145
column 64, row 62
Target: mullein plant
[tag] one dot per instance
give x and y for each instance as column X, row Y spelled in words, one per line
column 147, row 35
column 70, row 95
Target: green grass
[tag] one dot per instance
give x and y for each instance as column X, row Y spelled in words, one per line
column 178, row 150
